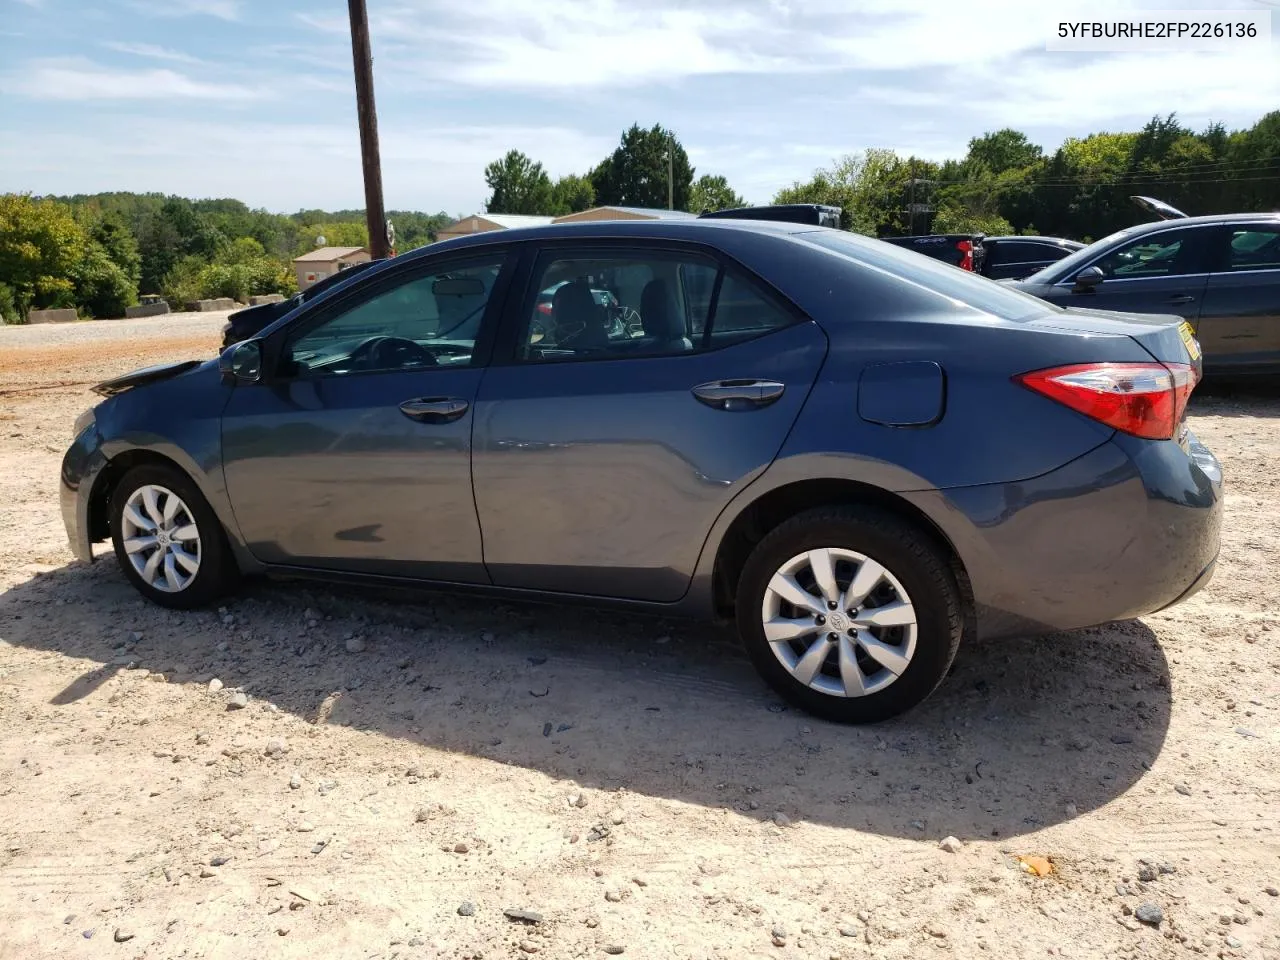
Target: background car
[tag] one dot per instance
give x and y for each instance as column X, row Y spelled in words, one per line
column 1220, row 273
column 858, row 454
column 1015, row 257
column 964, row 250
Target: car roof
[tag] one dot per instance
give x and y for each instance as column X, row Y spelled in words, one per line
column 1204, row 221
column 691, row 228
column 1033, row 238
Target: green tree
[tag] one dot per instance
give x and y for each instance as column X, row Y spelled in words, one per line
column 572, row 194
column 112, row 232
column 102, row 287
column 713, row 193
column 8, row 305
column 414, row 229
column 1003, row 150
column 953, row 218
column 336, row 233
column 40, row 246
column 518, row 185
column 174, row 231
column 831, row 186
column 182, row 283
column 636, row 174
column 242, row 250
column 872, row 190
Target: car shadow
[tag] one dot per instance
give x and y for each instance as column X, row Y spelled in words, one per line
column 1022, row 734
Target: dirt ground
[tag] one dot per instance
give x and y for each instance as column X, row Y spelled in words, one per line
column 407, row 769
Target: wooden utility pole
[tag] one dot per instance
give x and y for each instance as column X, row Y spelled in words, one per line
column 375, row 215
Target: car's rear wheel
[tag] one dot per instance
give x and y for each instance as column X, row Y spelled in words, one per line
column 167, row 539
column 850, row 613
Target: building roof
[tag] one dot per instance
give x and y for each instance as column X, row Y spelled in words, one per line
column 327, row 254
column 651, row 213
column 512, row 220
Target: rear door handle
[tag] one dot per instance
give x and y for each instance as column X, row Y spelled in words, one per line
column 1181, row 298
column 739, row 394
column 434, row 409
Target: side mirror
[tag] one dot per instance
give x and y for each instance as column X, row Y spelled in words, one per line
column 241, row 362
column 1089, row 277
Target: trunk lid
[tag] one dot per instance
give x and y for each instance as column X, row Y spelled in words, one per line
column 1161, row 209
column 1168, row 338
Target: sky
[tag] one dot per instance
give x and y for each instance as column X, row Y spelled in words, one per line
column 254, row 99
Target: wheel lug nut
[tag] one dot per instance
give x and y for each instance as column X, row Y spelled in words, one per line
column 831, row 604
column 833, row 637
column 819, row 619
column 853, row 632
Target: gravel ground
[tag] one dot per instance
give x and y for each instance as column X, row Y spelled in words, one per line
column 309, row 772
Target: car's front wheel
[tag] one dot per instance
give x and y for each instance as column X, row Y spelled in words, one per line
column 850, row 613
column 167, row 539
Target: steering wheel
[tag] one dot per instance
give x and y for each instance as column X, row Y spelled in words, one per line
column 391, row 353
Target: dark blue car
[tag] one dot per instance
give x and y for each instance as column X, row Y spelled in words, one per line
column 859, row 454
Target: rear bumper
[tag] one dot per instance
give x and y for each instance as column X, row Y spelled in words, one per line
column 1128, row 529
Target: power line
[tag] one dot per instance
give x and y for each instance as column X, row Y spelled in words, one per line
column 1135, row 178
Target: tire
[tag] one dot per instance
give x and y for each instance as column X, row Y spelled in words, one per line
column 132, row 523
column 916, row 571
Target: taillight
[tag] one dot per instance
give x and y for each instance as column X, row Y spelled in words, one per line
column 966, row 254
column 1144, row 399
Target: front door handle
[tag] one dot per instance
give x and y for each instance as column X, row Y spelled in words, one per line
column 434, row 409
column 1181, row 298
column 739, row 394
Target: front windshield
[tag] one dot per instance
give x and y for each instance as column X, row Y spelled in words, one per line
column 1067, row 265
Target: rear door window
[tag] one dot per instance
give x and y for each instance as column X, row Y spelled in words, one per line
column 613, row 303
column 1256, row 247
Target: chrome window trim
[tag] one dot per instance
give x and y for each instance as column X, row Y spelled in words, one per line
column 1111, row 280
column 1243, row 273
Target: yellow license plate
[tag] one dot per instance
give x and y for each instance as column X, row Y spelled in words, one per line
column 1189, row 338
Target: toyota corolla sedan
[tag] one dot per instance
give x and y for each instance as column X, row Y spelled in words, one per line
column 860, row 455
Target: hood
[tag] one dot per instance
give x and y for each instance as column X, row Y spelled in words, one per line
column 163, row 371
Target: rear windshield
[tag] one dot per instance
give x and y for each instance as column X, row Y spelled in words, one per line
column 955, row 284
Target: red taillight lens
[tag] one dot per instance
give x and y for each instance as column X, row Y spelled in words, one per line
column 1144, row 399
column 966, row 254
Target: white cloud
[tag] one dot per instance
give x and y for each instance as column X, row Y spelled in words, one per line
column 83, row 80
column 151, row 51
column 287, row 166
column 331, row 24
column 574, row 45
column 1069, row 90
column 221, row 9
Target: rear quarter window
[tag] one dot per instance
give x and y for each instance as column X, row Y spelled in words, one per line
column 944, row 281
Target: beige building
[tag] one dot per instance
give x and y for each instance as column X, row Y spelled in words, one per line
column 622, row 213
column 325, row 262
column 484, row 222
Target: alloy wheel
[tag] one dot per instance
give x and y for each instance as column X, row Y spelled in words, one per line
column 161, row 539
column 839, row 622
